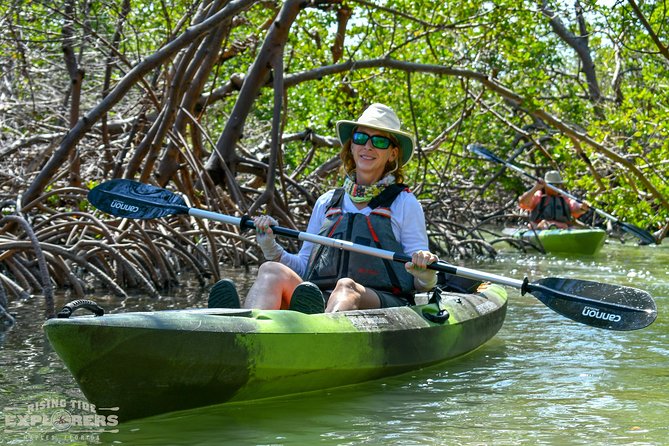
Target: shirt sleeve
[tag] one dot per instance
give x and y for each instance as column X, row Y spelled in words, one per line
column 298, row 262
column 409, row 223
column 534, row 202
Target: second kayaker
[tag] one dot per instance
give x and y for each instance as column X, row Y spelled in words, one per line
column 549, row 208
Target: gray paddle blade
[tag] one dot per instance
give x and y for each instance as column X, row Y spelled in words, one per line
column 601, row 305
column 132, row 199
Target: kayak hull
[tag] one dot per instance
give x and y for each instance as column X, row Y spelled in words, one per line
column 567, row 241
column 146, row 363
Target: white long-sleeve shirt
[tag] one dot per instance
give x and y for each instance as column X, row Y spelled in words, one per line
column 407, row 220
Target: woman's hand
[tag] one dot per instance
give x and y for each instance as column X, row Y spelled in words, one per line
column 266, row 238
column 424, row 279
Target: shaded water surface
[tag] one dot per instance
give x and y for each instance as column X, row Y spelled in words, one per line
column 542, row 380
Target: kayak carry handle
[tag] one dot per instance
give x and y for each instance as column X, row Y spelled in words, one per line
column 73, row 306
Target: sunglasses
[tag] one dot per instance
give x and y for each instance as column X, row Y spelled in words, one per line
column 378, row 141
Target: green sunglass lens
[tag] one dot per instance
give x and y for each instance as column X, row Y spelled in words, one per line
column 360, row 138
column 378, row 141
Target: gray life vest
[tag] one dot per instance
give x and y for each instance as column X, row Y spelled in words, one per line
column 553, row 208
column 327, row 265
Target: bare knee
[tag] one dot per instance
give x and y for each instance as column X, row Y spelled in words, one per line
column 348, row 285
column 272, row 271
column 347, row 295
column 273, row 287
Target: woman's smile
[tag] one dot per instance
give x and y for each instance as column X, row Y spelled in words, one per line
column 370, row 162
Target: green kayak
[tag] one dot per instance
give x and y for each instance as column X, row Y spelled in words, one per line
column 569, row 241
column 145, row 363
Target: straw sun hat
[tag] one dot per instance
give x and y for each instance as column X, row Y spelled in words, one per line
column 379, row 117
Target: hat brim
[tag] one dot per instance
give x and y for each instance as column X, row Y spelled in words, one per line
column 405, row 139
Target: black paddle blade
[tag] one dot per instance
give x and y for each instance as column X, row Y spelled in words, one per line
column 646, row 237
column 132, row 199
column 485, row 153
column 602, row 305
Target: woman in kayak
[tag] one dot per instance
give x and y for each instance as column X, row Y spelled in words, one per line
column 373, row 208
column 549, row 208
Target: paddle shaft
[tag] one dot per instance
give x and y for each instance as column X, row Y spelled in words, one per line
column 362, row 249
column 121, row 200
column 523, row 285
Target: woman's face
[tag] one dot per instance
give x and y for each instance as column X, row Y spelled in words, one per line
column 369, row 160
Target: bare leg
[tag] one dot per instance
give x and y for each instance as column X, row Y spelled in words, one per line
column 350, row 295
column 273, row 287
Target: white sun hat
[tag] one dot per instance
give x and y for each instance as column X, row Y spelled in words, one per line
column 379, row 117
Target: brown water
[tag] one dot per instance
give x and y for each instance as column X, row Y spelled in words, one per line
column 542, row 380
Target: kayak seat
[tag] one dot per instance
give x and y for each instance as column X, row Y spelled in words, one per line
column 455, row 284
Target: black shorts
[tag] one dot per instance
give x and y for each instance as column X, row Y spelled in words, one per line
column 386, row 298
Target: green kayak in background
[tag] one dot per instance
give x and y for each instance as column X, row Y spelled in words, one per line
column 146, row 363
column 568, row 241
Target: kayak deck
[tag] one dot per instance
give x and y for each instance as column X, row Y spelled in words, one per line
column 587, row 241
column 146, row 363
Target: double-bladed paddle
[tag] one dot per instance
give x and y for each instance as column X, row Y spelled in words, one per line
column 612, row 307
column 645, row 236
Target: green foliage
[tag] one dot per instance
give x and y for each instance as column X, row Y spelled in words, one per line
column 507, row 41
